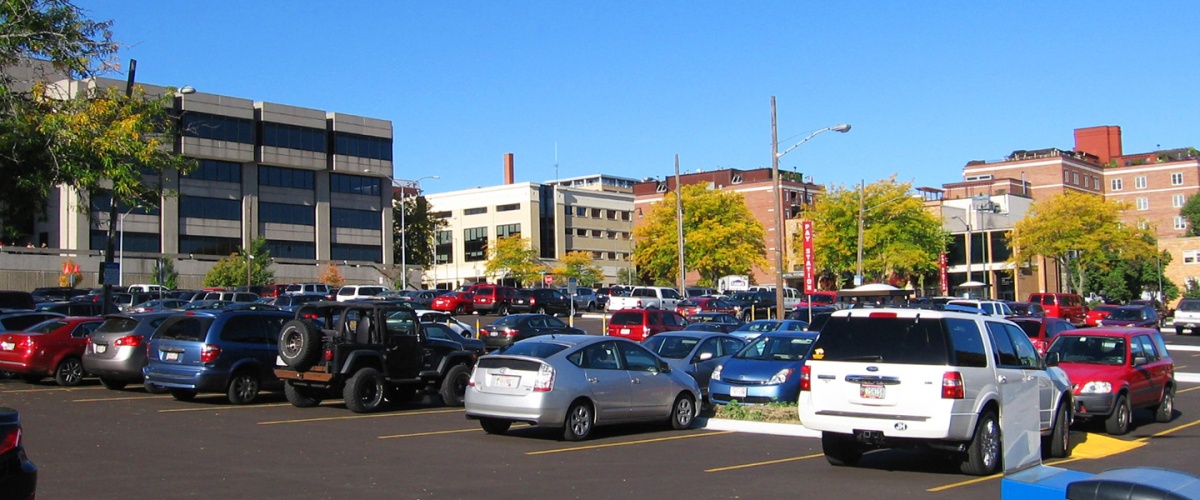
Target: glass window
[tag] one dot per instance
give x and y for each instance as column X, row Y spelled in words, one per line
column 285, row 177
column 508, row 208
column 1139, row 182
column 1180, row 223
column 352, row 218
column 216, row 170
column 1177, row 179
column 443, row 248
column 210, row 208
column 286, row 213
column 600, row 356
column 217, row 127
column 208, row 245
column 1075, row 178
column 637, row 358
column 1006, row 352
column 1177, row 201
column 293, row 137
column 377, row 148
column 292, row 249
column 1117, row 184
column 508, row 231
column 1143, row 203
column 475, row 211
column 475, row 244
column 368, row 253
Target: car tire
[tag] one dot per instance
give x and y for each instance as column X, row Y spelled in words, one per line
column 683, row 412
column 364, row 391
column 591, row 306
column 580, row 420
column 182, row 394
column 1178, row 331
column 243, row 388
column 69, row 372
column 502, row 310
column 454, row 385
column 984, row 456
column 495, row 425
column 840, row 449
column 1165, row 410
column 460, row 310
column 154, row 388
column 300, row 396
column 1122, row 415
column 1058, row 443
column 113, row 385
column 299, row 344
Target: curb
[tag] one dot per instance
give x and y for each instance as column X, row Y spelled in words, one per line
column 720, row 424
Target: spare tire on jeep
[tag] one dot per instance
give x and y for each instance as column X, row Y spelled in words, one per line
column 300, row 344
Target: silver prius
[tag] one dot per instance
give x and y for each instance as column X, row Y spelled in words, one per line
column 578, row 382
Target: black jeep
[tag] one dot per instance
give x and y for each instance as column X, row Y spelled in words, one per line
column 367, row 352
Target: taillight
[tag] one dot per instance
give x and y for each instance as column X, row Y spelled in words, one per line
column 805, row 378
column 27, row 345
column 209, row 353
column 328, row 354
column 129, row 340
column 10, row 441
column 510, row 333
column 952, row 386
column 545, row 379
column 471, row 382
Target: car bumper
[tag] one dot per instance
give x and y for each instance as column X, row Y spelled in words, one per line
column 546, row 409
column 23, row 367
column 120, row 367
column 197, row 379
column 721, row 392
column 1094, row 405
column 19, row 476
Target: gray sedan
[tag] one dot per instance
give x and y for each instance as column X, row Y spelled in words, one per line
column 117, row 350
column 577, row 382
column 696, row 353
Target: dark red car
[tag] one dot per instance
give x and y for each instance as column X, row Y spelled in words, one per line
column 1114, row 370
column 1143, row 316
column 1042, row 330
column 50, row 348
column 640, row 324
column 454, row 302
column 703, row 304
column 1098, row 313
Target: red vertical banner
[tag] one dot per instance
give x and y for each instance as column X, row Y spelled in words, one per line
column 945, row 277
column 810, row 267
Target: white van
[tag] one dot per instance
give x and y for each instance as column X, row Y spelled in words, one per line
column 155, row 289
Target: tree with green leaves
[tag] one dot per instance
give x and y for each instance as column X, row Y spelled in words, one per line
column 514, row 258
column 901, row 240
column 1191, row 212
column 101, row 139
column 578, row 265
column 165, row 273
column 243, row 268
column 1083, row 233
column 721, row 237
column 419, row 230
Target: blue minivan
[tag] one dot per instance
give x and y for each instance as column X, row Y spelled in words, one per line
column 231, row 352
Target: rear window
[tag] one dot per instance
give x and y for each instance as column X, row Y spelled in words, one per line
column 1189, row 305
column 672, row 347
column 1030, row 328
column 776, row 348
column 187, row 328
column 507, row 321
column 111, row 325
column 540, row 350
column 895, row 340
column 626, row 318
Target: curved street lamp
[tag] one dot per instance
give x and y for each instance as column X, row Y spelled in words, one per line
column 777, row 191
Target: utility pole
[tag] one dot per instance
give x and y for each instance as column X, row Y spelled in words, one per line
column 679, row 226
column 110, row 247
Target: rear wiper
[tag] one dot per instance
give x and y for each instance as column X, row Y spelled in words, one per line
column 869, row 357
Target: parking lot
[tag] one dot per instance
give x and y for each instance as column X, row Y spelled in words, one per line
column 96, row 443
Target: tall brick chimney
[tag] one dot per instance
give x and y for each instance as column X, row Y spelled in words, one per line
column 1103, row 141
column 508, row 168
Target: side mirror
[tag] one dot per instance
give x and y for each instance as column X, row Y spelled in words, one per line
column 663, row 367
column 704, row 356
column 1052, row 359
column 1139, row 360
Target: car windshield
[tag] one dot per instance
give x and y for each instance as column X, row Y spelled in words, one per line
column 759, row 326
column 540, row 350
column 746, row 296
column 776, row 348
column 671, row 346
column 1126, row 314
column 1089, row 349
column 1189, row 305
column 705, row 318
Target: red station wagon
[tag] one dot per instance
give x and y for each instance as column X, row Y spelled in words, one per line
column 50, row 348
column 640, row 324
column 1068, row 306
column 1114, row 370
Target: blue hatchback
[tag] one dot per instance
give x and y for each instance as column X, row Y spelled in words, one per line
column 231, row 352
column 765, row 371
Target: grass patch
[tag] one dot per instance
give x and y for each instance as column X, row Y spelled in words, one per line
column 780, row 413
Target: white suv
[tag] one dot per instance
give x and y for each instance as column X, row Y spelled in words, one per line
column 991, row 307
column 933, row 379
column 351, row 292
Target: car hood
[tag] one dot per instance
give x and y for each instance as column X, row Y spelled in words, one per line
column 1081, row 373
column 755, row 370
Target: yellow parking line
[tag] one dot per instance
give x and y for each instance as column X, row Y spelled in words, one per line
column 1177, row 391
column 965, row 483
column 431, row 433
column 224, row 407
column 1169, row 431
column 52, row 389
column 769, row 462
column 351, row 417
column 626, row 443
column 92, row 400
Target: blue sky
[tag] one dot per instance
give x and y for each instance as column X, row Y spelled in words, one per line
column 622, row 87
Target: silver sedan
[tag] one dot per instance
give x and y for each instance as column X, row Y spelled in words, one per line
column 578, row 382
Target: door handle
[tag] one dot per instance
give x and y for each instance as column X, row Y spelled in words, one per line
column 637, row 380
column 1002, row 379
column 593, row 380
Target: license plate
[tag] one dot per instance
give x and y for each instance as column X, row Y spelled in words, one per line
column 7, row 346
column 871, row 391
column 171, row 356
column 624, row 331
column 737, row 392
column 506, row 381
column 493, row 334
column 100, row 348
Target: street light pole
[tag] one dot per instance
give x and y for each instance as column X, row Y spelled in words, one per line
column 121, row 245
column 777, row 194
column 107, row 294
column 404, row 228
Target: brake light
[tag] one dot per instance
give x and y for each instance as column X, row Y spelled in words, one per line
column 805, row 378
column 952, row 386
column 309, row 316
column 10, row 441
column 882, row 315
column 510, row 333
column 128, row 340
column 328, row 354
column 209, row 353
column 27, row 345
column 545, row 379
